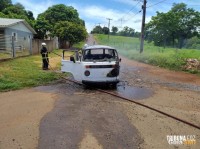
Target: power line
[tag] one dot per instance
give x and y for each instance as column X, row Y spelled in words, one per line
column 132, row 16
column 155, row 4
column 122, row 19
column 129, row 10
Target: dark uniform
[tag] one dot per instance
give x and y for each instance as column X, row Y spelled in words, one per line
column 45, row 58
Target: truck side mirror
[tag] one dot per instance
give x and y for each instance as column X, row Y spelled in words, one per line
column 120, row 60
column 72, row 59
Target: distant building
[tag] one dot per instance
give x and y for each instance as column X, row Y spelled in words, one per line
column 19, row 31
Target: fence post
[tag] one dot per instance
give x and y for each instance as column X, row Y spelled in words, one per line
column 38, row 44
column 30, row 44
column 13, row 46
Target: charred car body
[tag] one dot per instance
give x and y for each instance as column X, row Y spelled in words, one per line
column 97, row 64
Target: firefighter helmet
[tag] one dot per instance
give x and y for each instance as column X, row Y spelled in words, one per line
column 43, row 44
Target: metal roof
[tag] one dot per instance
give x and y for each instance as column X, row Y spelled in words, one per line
column 98, row 47
column 7, row 22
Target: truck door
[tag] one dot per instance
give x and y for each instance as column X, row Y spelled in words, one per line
column 72, row 66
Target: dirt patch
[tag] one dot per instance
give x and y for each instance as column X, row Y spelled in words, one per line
column 89, row 142
column 155, row 127
column 20, row 115
column 176, row 93
column 161, row 73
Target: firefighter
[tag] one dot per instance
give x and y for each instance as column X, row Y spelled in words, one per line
column 45, row 59
column 85, row 46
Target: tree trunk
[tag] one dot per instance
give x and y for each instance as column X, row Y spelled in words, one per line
column 173, row 41
column 164, row 42
column 181, row 39
column 63, row 44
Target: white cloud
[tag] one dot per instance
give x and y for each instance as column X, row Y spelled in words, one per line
column 92, row 15
column 128, row 2
column 89, row 26
column 36, row 8
column 99, row 14
column 190, row 2
column 134, row 22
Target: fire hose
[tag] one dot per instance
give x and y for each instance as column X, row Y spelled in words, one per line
column 135, row 102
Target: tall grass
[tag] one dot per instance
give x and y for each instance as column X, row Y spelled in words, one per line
column 164, row 57
column 79, row 45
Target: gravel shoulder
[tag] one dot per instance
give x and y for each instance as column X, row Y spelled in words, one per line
column 175, row 99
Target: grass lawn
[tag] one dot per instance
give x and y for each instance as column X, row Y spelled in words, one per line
column 4, row 55
column 164, row 57
column 7, row 54
column 27, row 72
column 79, row 45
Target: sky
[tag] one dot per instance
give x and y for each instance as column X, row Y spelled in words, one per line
column 122, row 12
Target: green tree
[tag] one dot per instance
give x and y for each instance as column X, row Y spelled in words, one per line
column 131, row 32
column 127, row 31
column 137, row 34
column 188, row 22
column 60, row 12
column 2, row 15
column 193, row 43
column 105, row 30
column 18, row 11
column 29, row 14
column 97, row 30
column 70, row 31
column 42, row 26
column 55, row 14
column 114, row 30
column 180, row 23
column 161, row 29
column 19, row 6
column 4, row 4
column 14, row 10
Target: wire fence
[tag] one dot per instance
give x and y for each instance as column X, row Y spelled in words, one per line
column 11, row 46
column 5, row 47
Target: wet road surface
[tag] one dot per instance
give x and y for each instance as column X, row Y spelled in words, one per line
column 65, row 115
column 78, row 111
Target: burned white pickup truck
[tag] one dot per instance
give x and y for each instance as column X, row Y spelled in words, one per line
column 97, row 64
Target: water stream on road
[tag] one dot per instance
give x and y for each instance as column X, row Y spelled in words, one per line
column 136, row 93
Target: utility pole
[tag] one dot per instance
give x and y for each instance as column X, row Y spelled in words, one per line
column 143, row 25
column 121, row 21
column 108, row 27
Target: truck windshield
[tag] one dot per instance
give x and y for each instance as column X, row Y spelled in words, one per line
column 100, row 55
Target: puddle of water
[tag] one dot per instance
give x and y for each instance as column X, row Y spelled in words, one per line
column 135, row 93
